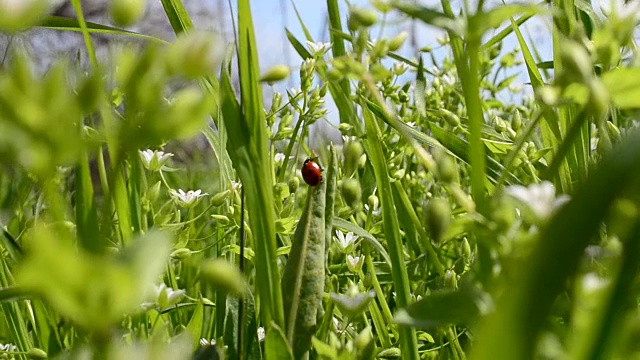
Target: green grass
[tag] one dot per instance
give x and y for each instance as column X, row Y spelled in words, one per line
column 450, row 224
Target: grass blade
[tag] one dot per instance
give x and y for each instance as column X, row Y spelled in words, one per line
column 408, row 339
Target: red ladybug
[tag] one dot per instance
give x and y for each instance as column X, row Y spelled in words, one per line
column 311, row 172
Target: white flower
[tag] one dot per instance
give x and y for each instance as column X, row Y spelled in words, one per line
column 347, row 139
column 592, row 282
column 345, row 242
column 206, row 342
column 154, row 160
column 166, row 296
column 318, row 49
column 620, row 7
column 293, row 93
column 594, row 143
column 448, row 79
column 377, row 211
column 443, row 39
column 336, row 324
column 236, row 185
column 279, row 158
column 188, row 199
column 399, row 68
column 516, row 88
column 261, row 334
column 539, row 198
column 8, row 348
column 354, row 263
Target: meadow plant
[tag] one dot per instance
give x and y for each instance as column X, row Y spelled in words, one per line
column 462, row 215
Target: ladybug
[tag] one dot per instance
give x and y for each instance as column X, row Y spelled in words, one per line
column 311, row 172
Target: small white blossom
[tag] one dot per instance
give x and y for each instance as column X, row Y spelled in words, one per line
column 399, row 68
column 261, row 334
column 346, row 138
column 8, row 348
column 594, row 143
column 377, row 211
column 318, row 49
column 236, row 185
column 591, row 282
column 154, row 160
column 206, row 342
column 345, row 242
column 166, row 296
column 336, row 324
column 187, row 199
column 354, row 263
column 539, row 198
column 279, row 158
column 516, row 88
column 294, row 92
column 443, row 39
column 448, row 79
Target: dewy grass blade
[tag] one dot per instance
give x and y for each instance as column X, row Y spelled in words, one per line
column 304, row 274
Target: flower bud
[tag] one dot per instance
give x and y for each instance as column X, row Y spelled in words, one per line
column 613, row 131
column 373, row 202
column 451, row 118
column 399, row 174
column 352, row 152
column 438, row 216
column 194, row 54
column 397, row 41
column 364, row 340
column 36, row 354
column 276, row 101
column 219, row 198
column 222, row 220
column 451, row 279
column 275, row 74
column 362, row 162
column 126, row 12
column 224, row 276
column 447, row 170
column 499, row 125
column 354, row 263
column 19, row 15
column 516, row 121
column 154, row 191
column 293, row 184
column 362, row 17
column 344, row 127
column 576, row 62
column 390, row 353
column 351, row 192
column 181, row 254
column 466, row 249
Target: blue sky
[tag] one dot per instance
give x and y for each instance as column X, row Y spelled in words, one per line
column 272, row 16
